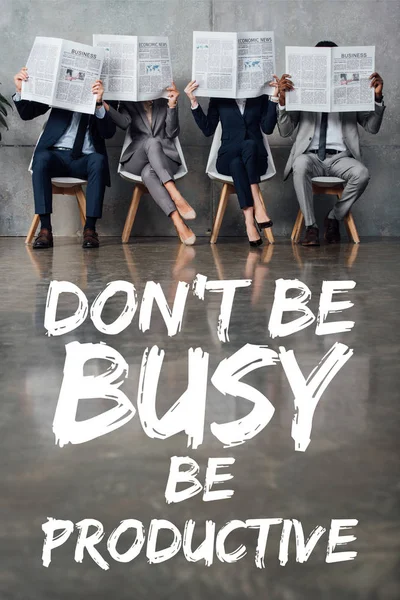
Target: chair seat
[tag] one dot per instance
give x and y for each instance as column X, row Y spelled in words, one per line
column 67, row 182
column 327, row 181
column 136, row 178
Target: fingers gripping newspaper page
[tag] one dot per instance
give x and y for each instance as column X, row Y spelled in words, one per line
column 119, row 73
column 61, row 74
column 351, row 85
column 310, row 71
column 214, row 63
column 255, row 63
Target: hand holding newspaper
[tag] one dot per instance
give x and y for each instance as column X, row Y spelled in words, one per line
column 61, row 74
column 330, row 79
column 135, row 67
column 233, row 65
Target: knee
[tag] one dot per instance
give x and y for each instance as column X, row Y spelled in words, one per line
column 235, row 164
column 96, row 162
column 41, row 160
column 361, row 175
column 301, row 165
column 152, row 143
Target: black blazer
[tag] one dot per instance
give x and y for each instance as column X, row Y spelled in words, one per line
column 58, row 122
column 259, row 112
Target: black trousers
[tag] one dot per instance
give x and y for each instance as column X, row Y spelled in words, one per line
column 59, row 163
column 245, row 165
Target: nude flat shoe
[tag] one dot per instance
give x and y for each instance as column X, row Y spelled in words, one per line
column 189, row 215
column 188, row 241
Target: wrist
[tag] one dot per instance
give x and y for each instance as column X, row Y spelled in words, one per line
column 99, row 102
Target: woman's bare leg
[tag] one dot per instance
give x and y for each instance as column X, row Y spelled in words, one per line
column 251, row 229
column 182, row 229
column 181, row 204
column 259, row 208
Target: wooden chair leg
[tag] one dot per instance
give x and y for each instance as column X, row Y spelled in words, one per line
column 223, row 201
column 351, row 228
column 269, row 235
column 81, row 199
column 32, row 229
column 267, row 232
column 130, row 218
column 298, row 226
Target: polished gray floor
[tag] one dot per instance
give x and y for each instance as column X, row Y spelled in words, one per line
column 350, row 470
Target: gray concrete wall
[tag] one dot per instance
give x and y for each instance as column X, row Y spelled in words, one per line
column 295, row 22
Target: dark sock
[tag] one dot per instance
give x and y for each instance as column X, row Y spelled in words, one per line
column 45, row 221
column 90, row 223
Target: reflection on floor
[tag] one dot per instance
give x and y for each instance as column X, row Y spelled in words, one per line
column 350, row 470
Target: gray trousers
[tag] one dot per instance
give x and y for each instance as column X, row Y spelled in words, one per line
column 306, row 166
column 155, row 168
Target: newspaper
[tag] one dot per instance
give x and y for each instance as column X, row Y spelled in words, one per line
column 135, row 67
column 61, row 74
column 330, row 79
column 233, row 65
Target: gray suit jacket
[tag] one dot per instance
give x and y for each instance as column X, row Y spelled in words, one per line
column 165, row 126
column 306, row 121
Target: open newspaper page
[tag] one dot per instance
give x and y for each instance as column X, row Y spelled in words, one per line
column 42, row 69
column 310, row 71
column 214, row 63
column 119, row 72
column 255, row 63
column 80, row 66
column 154, row 67
column 351, row 86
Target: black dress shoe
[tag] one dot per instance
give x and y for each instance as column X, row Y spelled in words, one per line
column 90, row 239
column 43, row 240
column 265, row 224
column 332, row 233
column 256, row 243
column 312, row 237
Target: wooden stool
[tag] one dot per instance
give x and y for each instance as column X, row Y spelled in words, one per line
column 138, row 192
column 227, row 190
column 332, row 186
column 68, row 186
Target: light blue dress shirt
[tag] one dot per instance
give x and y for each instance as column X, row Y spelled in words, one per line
column 68, row 138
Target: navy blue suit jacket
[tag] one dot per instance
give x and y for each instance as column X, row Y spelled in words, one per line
column 58, row 122
column 259, row 112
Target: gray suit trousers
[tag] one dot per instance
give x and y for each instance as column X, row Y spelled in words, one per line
column 308, row 165
column 155, row 168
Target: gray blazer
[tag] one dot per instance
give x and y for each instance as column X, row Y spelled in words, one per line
column 165, row 126
column 306, row 121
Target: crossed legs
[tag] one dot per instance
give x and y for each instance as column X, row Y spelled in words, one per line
column 157, row 171
column 244, row 164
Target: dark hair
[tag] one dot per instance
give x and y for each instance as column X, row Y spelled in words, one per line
column 326, row 45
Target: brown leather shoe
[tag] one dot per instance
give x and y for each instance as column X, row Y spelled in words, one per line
column 332, row 232
column 312, row 237
column 90, row 239
column 43, row 240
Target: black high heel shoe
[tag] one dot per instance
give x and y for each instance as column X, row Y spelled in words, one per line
column 256, row 243
column 265, row 224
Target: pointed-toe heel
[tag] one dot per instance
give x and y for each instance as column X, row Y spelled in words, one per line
column 256, row 243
